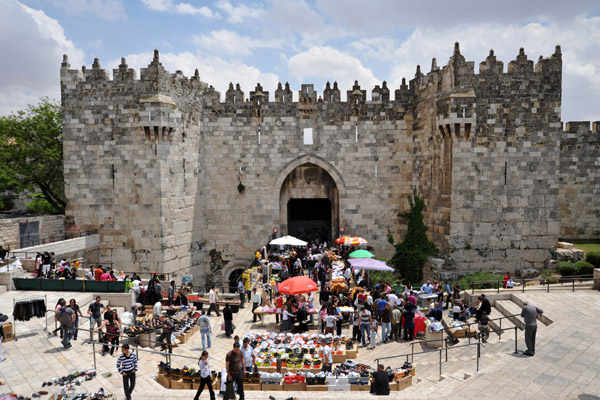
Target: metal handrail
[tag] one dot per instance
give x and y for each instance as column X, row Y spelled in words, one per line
column 478, row 344
column 500, row 282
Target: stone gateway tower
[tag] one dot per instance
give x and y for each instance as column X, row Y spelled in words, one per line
column 179, row 182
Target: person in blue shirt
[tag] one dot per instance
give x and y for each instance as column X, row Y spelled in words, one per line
column 427, row 288
column 448, row 291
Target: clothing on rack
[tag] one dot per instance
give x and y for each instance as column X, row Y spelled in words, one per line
column 26, row 309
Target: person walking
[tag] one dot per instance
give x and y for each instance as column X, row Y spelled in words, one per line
column 171, row 292
column 111, row 336
column 205, row 329
column 365, row 325
column 235, row 371
column 212, row 299
column 228, row 319
column 167, row 329
column 386, row 322
column 77, row 311
column 529, row 314
column 409, row 321
column 205, row 376
column 127, row 365
column 256, row 301
column 242, row 292
column 95, row 312
column 248, row 353
column 66, row 317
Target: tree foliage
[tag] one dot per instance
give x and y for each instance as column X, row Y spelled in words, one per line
column 411, row 254
column 31, row 156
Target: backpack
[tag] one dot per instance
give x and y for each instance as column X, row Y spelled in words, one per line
column 65, row 318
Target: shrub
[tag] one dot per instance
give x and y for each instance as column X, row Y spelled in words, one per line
column 6, row 202
column 463, row 282
column 593, row 257
column 584, row 268
column 39, row 205
column 547, row 273
column 567, row 269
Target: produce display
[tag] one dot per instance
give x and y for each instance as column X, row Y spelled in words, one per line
column 294, row 350
column 338, row 284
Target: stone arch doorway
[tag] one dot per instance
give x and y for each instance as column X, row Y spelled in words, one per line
column 309, row 203
column 234, row 277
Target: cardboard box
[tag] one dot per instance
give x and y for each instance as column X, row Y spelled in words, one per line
column 164, row 381
column 412, row 371
column 295, row 387
column 351, row 354
column 180, row 384
column 403, row 383
column 360, row 388
column 339, row 358
column 316, row 388
column 272, row 388
column 252, row 386
column 216, row 384
column 7, row 330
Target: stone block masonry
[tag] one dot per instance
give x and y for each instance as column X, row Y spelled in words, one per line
column 155, row 163
column 50, row 228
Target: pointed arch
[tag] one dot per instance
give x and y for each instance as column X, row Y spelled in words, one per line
column 311, row 159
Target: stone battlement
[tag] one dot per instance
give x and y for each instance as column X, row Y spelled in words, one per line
column 582, row 127
column 457, row 72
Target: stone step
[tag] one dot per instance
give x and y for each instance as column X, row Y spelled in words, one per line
column 509, row 308
column 3, row 288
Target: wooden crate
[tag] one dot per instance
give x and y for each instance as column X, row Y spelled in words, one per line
column 180, row 384
column 7, row 330
column 164, row 381
column 352, row 354
column 404, row 383
column 252, row 386
column 295, row 387
column 272, row 388
column 182, row 338
column 360, row 388
column 316, row 388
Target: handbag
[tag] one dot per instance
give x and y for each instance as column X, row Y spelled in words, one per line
column 229, row 391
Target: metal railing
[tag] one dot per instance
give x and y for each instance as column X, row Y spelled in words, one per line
column 468, row 324
column 499, row 284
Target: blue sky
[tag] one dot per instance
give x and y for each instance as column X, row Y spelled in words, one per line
column 298, row 41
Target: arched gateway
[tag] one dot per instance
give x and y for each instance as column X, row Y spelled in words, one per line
column 309, row 200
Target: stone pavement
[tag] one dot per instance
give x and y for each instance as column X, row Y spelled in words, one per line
column 566, row 364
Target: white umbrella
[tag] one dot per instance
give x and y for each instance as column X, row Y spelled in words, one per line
column 288, row 241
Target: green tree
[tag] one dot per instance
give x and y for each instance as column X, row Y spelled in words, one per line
column 411, row 254
column 31, row 156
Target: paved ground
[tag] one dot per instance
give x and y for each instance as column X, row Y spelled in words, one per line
column 566, row 364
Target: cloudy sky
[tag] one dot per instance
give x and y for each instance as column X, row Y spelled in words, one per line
column 299, row 41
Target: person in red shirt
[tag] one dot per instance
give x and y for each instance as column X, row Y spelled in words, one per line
column 98, row 272
column 278, row 304
column 506, row 279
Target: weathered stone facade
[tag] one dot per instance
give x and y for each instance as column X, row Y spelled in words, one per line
column 51, row 229
column 156, row 163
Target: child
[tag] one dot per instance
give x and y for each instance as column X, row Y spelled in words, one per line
column 373, row 334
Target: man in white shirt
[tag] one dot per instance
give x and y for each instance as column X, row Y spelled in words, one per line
column 212, row 299
column 327, row 359
column 311, row 304
column 392, row 298
column 248, row 353
column 256, row 301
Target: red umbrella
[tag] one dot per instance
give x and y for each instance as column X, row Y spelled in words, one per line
column 342, row 239
column 297, row 285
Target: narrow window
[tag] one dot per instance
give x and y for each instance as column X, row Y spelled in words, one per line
column 308, row 136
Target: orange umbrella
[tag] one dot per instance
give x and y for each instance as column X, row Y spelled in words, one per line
column 342, row 239
column 297, row 285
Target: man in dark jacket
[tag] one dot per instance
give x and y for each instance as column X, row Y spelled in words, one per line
column 380, row 384
column 484, row 307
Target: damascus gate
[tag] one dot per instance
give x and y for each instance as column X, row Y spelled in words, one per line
column 180, row 179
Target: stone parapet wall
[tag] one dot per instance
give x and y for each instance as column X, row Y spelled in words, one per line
column 51, row 229
column 71, row 248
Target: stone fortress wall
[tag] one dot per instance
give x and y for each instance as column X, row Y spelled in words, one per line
column 155, row 163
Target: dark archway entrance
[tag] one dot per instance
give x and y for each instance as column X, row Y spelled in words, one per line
column 310, row 219
column 309, row 204
column 234, row 278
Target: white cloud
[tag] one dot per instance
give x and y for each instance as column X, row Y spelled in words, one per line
column 331, row 64
column 179, row 8
column 237, row 14
column 230, row 42
column 381, row 48
column 213, row 70
column 111, row 10
column 32, row 45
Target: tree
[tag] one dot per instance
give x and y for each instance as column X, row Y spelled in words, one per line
column 31, row 156
column 411, row 254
